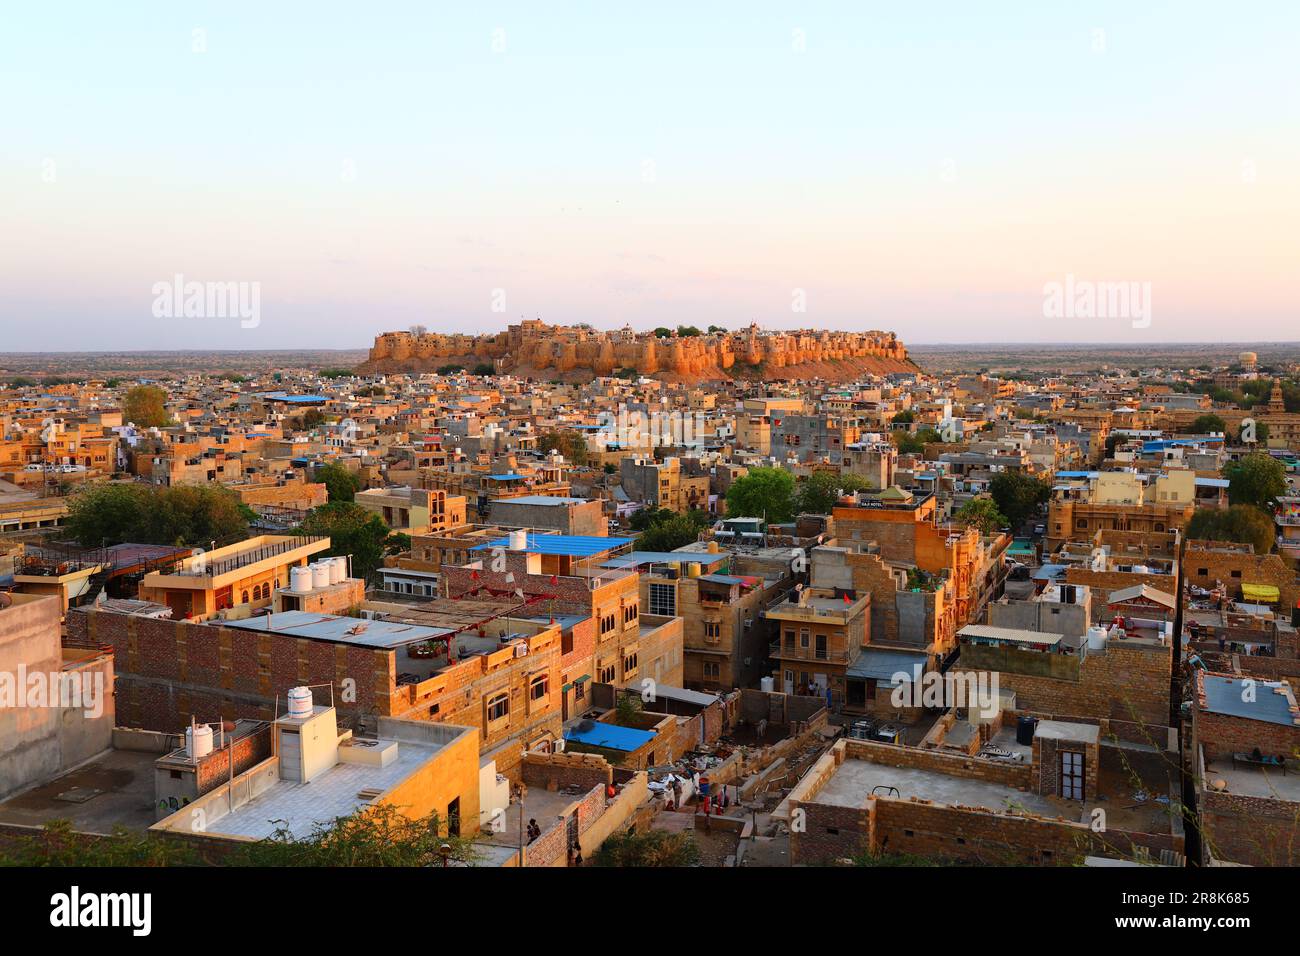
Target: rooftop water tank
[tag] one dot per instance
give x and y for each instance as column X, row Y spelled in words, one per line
column 198, row 741
column 320, row 574
column 300, row 580
column 1096, row 638
column 518, row 540
column 338, row 569
column 299, row 701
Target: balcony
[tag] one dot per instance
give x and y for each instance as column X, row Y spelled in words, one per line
column 795, row 653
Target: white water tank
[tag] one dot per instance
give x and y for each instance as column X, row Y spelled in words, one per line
column 766, row 684
column 300, row 580
column 299, row 701
column 320, row 574
column 518, row 540
column 198, row 741
column 1096, row 638
column 338, row 569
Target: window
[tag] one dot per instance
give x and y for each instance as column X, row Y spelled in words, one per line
column 712, row 632
column 630, row 612
column 663, row 600
column 789, row 639
column 1236, row 574
column 606, row 674
column 711, row 670
column 629, row 665
column 606, row 624
column 1202, row 572
column 538, row 687
column 498, row 707
column 579, row 690
column 821, row 647
column 803, row 639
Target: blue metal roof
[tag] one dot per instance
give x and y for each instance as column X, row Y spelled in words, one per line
column 610, row 736
column 570, row 545
column 508, row 477
column 1228, row 695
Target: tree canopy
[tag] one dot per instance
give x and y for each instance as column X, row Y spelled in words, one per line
column 1018, row 496
column 570, row 443
column 182, row 515
column 651, row 848
column 665, row 530
column 1207, row 424
column 352, row 531
column 1238, row 523
column 341, row 484
column 1257, row 479
column 145, row 406
column 766, row 493
column 982, row 514
column 818, row 492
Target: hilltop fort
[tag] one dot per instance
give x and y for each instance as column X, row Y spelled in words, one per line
column 533, row 348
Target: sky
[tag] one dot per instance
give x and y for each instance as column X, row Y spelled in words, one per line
column 932, row 169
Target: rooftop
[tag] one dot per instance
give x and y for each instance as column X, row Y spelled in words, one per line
column 1269, row 701
column 570, row 545
column 341, row 630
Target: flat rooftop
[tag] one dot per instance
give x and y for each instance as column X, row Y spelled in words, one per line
column 299, row 807
column 340, row 630
column 114, row 789
column 1254, row 781
column 853, row 781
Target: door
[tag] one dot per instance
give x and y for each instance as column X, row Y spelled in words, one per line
column 1071, row 775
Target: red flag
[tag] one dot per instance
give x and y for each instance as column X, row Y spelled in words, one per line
column 846, row 599
column 555, row 579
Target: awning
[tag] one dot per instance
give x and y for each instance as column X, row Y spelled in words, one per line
column 1260, row 592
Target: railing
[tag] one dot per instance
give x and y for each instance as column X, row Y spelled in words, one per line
column 201, row 567
column 797, row 653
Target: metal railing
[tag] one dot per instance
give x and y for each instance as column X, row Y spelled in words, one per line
column 200, row 566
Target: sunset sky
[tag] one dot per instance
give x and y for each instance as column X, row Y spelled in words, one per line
column 923, row 168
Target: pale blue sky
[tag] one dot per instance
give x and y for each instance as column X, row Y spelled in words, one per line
column 921, row 168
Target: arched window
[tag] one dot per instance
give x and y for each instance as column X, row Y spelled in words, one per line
column 245, row 601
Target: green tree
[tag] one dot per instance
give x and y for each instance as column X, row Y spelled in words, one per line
column 570, row 443
column 58, row 844
column 909, row 444
column 485, row 369
column 1018, row 496
column 1257, row 479
column 1205, row 424
column 352, row 531
column 184, row 515
column 399, row 542
column 668, row 535
column 1237, row 523
column 647, row 518
column 982, row 514
column 819, row 492
column 107, row 513
column 688, row 331
column 378, row 835
column 766, row 493
column 903, row 418
column 196, row 515
column 450, row 369
column 657, row 848
column 341, row 484
column 145, row 406
column 663, row 332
